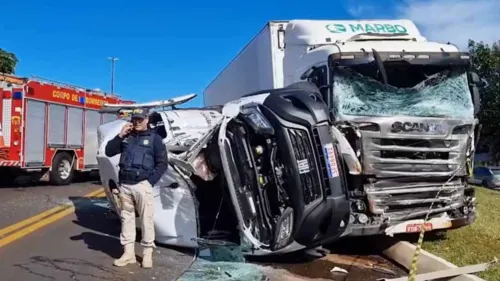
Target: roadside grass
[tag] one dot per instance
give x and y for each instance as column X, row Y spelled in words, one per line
column 476, row 243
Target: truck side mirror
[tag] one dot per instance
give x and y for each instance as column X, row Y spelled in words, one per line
column 476, row 98
column 475, row 78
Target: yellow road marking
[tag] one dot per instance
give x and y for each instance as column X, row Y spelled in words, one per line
column 41, row 220
column 40, row 216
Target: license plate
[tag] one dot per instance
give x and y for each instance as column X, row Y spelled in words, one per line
column 331, row 160
column 417, row 227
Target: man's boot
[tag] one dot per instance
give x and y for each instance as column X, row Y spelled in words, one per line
column 147, row 257
column 127, row 257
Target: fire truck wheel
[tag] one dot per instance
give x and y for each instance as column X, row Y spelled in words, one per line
column 62, row 171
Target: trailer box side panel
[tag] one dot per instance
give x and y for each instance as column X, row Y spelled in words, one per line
column 277, row 52
column 251, row 70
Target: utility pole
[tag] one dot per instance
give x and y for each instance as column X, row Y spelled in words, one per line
column 113, row 59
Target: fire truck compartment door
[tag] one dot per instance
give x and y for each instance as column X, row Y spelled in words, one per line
column 34, row 146
column 57, row 121
column 75, row 127
column 92, row 121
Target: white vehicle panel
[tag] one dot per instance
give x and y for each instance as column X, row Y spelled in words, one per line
column 184, row 127
column 257, row 66
column 316, row 32
column 175, row 211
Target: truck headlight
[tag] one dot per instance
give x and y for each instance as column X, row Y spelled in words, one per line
column 256, row 119
column 284, row 229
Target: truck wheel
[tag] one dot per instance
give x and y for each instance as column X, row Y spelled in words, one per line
column 62, row 171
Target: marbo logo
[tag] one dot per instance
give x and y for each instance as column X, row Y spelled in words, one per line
column 336, row 28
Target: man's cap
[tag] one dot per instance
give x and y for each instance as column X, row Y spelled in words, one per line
column 140, row 113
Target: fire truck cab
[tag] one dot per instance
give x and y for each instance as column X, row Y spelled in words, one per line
column 49, row 129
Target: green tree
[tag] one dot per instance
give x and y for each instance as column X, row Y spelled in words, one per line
column 8, row 62
column 486, row 63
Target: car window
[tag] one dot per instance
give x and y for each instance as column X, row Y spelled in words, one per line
column 495, row 172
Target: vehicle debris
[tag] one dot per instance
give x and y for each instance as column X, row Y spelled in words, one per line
column 339, row 270
column 447, row 273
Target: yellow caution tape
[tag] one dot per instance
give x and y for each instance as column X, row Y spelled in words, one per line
column 413, row 266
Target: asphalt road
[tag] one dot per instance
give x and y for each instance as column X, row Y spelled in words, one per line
column 80, row 246
column 81, row 243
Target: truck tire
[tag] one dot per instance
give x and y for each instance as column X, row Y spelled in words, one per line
column 62, row 169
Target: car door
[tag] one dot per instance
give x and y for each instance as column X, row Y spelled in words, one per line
column 488, row 178
column 477, row 175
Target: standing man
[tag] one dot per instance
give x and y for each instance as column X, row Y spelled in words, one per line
column 143, row 161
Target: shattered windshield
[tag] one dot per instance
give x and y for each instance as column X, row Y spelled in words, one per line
column 444, row 94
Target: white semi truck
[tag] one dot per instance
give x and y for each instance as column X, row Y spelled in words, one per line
column 407, row 106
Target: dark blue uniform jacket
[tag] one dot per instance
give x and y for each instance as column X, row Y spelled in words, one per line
column 143, row 157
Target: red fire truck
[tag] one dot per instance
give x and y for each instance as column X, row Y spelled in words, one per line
column 49, row 129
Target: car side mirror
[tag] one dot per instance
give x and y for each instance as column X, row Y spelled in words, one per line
column 307, row 73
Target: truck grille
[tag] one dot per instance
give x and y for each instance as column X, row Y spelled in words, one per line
column 412, row 171
column 308, row 173
column 402, row 199
column 387, row 157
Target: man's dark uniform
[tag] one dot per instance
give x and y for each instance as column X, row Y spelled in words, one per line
column 143, row 161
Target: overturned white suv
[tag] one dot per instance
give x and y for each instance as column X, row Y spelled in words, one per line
column 263, row 171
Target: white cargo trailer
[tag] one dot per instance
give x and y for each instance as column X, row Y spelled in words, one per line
column 258, row 66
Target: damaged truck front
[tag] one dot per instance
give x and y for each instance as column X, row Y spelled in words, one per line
column 406, row 105
column 411, row 121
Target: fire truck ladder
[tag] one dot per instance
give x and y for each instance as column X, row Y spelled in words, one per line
column 42, row 80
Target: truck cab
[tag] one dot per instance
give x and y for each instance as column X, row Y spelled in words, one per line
column 406, row 105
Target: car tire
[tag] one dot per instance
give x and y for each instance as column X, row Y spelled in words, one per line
column 63, row 169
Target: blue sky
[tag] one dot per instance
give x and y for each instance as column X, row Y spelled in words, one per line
column 164, row 49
